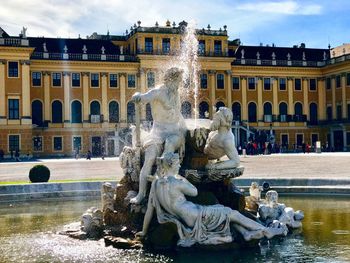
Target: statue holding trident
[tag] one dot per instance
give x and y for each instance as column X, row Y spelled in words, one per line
column 168, row 131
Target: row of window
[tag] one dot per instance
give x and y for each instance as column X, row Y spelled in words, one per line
column 337, row 81
column 149, row 46
column 76, row 80
column 14, row 143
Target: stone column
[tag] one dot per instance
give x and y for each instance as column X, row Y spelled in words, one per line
column 275, row 96
column 321, row 109
column 26, row 107
column 86, row 104
column 260, row 110
column 105, row 112
column 244, row 99
column 3, row 116
column 212, row 87
column 334, row 106
column 306, row 108
column 343, row 96
column 344, row 140
column 229, row 89
column 67, row 106
column 123, row 79
column 290, row 96
column 47, row 98
column 143, row 88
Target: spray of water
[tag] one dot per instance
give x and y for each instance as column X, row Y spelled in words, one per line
column 187, row 59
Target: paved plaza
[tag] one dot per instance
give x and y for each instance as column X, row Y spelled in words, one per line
column 323, row 166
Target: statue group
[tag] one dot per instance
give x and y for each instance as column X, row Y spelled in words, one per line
column 183, row 177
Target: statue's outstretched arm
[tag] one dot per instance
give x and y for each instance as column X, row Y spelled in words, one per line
column 146, row 97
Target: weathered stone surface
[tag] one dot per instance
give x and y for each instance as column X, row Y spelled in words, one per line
column 162, row 236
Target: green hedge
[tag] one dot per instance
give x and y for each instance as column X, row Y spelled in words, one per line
column 39, row 174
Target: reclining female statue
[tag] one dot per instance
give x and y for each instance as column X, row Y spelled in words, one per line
column 196, row 223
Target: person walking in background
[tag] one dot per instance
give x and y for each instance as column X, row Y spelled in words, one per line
column 88, row 155
column 17, row 156
column 11, row 154
column 1, row 155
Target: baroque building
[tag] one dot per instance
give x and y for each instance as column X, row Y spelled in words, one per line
column 59, row 95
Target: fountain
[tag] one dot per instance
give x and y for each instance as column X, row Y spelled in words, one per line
column 178, row 188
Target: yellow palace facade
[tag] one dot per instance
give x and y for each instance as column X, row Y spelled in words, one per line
column 59, row 96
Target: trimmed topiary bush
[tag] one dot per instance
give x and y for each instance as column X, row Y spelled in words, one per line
column 39, row 174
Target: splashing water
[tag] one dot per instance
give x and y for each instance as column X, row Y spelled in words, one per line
column 187, row 59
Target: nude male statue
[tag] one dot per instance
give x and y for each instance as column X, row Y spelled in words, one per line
column 168, row 131
column 196, row 223
column 221, row 141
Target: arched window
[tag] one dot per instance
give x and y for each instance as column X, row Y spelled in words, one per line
column 95, row 108
column 186, row 109
column 203, row 110
column 219, row 104
column 131, row 112
column 267, row 112
column 56, row 112
column 252, row 112
column 113, row 112
column 283, row 111
column 283, row 108
column 76, row 112
column 37, row 112
column 313, row 113
column 148, row 112
column 298, row 108
column 236, row 111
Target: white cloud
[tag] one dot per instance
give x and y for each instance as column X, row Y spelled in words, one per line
column 285, row 7
column 68, row 18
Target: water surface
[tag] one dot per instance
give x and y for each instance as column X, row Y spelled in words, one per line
column 28, row 234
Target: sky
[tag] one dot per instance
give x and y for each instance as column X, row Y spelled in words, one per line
column 316, row 23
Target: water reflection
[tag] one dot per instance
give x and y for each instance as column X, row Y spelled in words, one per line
column 28, row 234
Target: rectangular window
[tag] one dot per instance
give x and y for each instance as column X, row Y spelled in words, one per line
column 13, row 109
column 267, row 84
column 348, row 79
column 38, row 144
column 300, row 139
column 14, row 142
column 284, row 140
column 56, row 79
column 113, row 80
column 95, row 80
column 57, row 144
column 131, row 81
column 150, row 80
column 204, row 81
column 220, row 81
column 36, row 79
column 13, row 69
column 235, row 82
column 297, row 84
column 329, row 113
column 76, row 143
column 312, row 84
column 201, row 47
column 283, row 84
column 328, row 83
column 338, row 81
column 217, row 47
column 251, row 83
column 75, row 79
column 149, row 45
column 166, row 45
